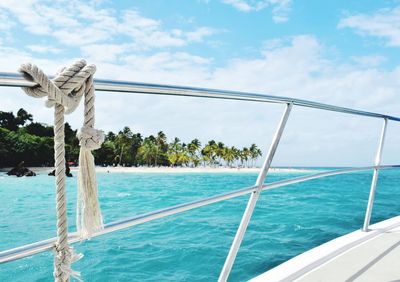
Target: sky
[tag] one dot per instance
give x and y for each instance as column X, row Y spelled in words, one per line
column 344, row 53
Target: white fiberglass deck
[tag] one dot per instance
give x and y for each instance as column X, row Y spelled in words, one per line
column 358, row 256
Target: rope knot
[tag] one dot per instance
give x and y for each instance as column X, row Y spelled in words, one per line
column 90, row 138
column 63, row 258
column 66, row 88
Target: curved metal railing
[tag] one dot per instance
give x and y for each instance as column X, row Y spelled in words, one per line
column 16, row 80
column 46, row 245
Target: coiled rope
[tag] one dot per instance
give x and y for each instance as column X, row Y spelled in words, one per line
column 64, row 93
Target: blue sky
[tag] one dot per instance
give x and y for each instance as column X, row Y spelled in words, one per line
column 241, row 32
column 339, row 52
column 237, row 32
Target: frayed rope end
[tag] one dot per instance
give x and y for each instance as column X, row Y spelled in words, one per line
column 89, row 219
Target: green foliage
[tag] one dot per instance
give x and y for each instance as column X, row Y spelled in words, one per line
column 106, row 154
column 148, row 151
column 33, row 143
column 174, row 152
column 39, row 129
column 17, row 146
column 11, row 122
column 8, row 121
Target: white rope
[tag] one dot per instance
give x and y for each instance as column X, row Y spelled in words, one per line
column 64, row 92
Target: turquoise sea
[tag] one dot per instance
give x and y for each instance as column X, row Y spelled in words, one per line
column 191, row 246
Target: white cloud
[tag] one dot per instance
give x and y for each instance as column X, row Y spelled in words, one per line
column 199, row 34
column 5, row 22
column 104, row 52
column 369, row 61
column 44, row 49
column 38, row 17
column 77, row 24
column 240, row 5
column 384, row 23
column 280, row 8
column 295, row 67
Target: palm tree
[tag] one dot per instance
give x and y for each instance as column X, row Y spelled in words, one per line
column 193, row 149
column 174, row 150
column 220, row 150
column 148, row 151
column 255, row 152
column 161, row 143
column 123, row 141
column 244, row 156
column 209, row 152
column 184, row 156
column 23, row 116
column 110, row 136
column 125, row 148
column 236, row 154
column 259, row 153
column 137, row 141
column 229, row 155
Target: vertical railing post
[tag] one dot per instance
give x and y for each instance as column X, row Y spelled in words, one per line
column 377, row 163
column 254, row 197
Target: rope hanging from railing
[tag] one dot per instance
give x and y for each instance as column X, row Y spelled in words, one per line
column 64, row 93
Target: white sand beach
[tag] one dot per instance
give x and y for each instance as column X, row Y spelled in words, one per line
column 121, row 169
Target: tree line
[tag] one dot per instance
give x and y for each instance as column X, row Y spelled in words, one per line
column 22, row 139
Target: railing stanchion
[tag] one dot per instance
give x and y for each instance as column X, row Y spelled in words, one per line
column 254, row 197
column 378, row 159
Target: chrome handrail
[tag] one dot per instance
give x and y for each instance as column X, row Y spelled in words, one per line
column 46, row 245
column 17, row 80
column 378, row 159
column 251, row 204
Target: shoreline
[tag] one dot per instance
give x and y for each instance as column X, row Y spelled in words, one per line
column 121, row 169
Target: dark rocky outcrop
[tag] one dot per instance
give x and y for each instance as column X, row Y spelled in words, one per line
column 67, row 171
column 20, row 170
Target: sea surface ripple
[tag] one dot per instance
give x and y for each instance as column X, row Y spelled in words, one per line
column 191, row 246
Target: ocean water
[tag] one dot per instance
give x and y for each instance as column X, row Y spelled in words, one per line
column 191, row 246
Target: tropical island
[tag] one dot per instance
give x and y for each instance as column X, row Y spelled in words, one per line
column 23, row 140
